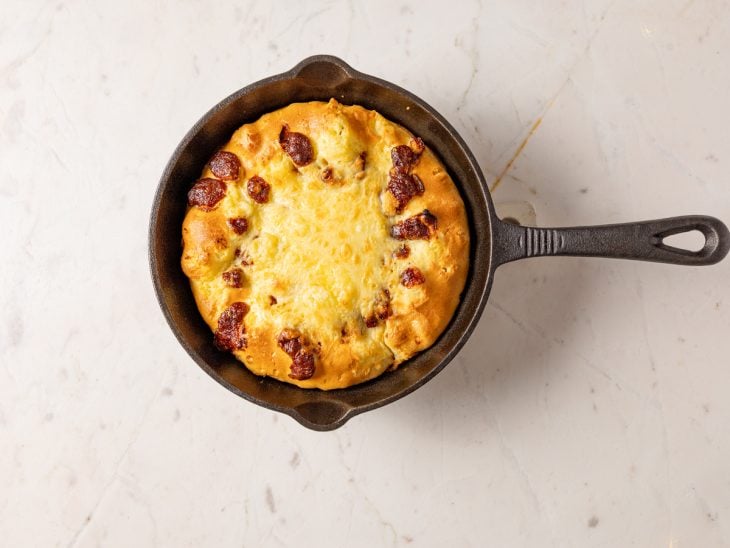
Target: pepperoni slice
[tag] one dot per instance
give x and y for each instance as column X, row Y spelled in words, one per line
column 417, row 145
column 230, row 334
column 412, row 276
column 382, row 306
column 297, row 146
column 418, row 227
column 403, row 187
column 206, row 193
column 403, row 158
column 258, row 189
column 225, row 165
column 327, row 175
column 239, row 225
column 403, row 184
column 302, row 366
column 291, row 342
column 402, row 252
column 233, row 277
column 381, row 309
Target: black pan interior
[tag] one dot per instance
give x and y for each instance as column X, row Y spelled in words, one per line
column 316, row 78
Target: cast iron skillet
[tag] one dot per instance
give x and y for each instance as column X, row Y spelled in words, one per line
column 493, row 242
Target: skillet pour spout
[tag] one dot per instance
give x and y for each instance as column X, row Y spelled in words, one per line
column 493, row 242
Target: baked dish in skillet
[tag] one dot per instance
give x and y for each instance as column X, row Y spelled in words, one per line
column 325, row 245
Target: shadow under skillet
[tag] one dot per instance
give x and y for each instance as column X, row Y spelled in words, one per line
column 509, row 350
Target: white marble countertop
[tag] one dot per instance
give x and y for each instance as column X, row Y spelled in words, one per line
column 590, row 407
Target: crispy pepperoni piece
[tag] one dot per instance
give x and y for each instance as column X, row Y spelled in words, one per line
column 258, row 189
column 403, row 184
column 230, row 334
column 403, row 187
column 327, row 175
column 297, row 146
column 402, row 252
column 225, row 165
column 291, row 346
column 403, row 158
column 206, row 193
column 382, row 306
column 291, row 342
column 233, row 277
column 418, row 227
column 412, row 276
column 417, row 145
column 302, row 366
column 239, row 225
column 381, row 310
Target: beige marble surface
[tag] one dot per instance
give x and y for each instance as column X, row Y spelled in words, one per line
column 590, row 408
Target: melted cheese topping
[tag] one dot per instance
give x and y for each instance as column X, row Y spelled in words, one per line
column 318, row 255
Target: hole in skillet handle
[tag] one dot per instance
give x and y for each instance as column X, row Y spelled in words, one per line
column 323, row 71
column 691, row 240
column 716, row 239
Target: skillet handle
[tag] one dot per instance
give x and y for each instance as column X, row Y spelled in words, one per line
column 642, row 241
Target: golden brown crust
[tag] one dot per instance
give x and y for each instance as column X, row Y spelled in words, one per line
column 318, row 256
